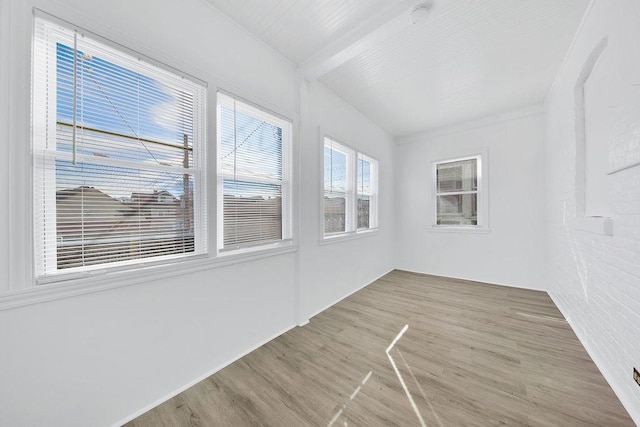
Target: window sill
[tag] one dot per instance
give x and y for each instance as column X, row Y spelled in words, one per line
column 459, row 229
column 104, row 280
column 337, row 238
column 594, row 224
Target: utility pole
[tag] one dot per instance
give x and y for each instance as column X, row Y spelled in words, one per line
column 186, row 197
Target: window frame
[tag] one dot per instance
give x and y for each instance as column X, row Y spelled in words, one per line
column 481, row 192
column 286, row 183
column 351, row 207
column 48, row 156
column 373, row 191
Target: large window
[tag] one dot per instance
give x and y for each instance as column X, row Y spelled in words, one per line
column 457, row 192
column 254, row 176
column 350, row 202
column 118, row 148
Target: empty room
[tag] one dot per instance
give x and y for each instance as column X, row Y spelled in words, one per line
column 319, row 213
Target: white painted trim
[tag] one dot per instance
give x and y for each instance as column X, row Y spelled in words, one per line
column 350, row 293
column 594, row 224
column 571, row 48
column 618, row 389
column 386, row 22
column 105, row 280
column 198, row 379
column 351, row 211
column 20, row 207
column 459, row 229
column 286, row 182
column 482, row 282
column 5, row 108
column 482, row 154
column 482, row 122
column 350, row 173
column 300, row 323
column 344, row 237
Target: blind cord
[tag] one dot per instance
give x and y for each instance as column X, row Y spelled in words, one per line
column 75, row 93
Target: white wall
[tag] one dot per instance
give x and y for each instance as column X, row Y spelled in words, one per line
column 327, row 270
column 5, row 44
column 594, row 278
column 511, row 252
column 101, row 358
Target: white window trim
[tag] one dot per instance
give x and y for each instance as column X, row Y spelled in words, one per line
column 373, row 193
column 351, row 220
column 25, row 291
column 40, row 154
column 483, row 195
column 582, row 221
column 287, row 183
column 101, row 280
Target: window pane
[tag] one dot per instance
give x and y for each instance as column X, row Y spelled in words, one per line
column 364, row 176
column 364, row 211
column 255, row 202
column 106, row 214
column 335, row 190
column 113, row 100
column 249, row 146
column 335, row 171
column 457, row 176
column 335, row 213
column 252, row 213
column 117, row 155
column 459, row 209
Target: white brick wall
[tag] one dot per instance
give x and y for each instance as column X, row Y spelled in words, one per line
column 595, row 279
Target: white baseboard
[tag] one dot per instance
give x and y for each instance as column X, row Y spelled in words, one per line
column 313, row 314
column 633, row 411
column 508, row 285
column 218, row 368
column 197, row 380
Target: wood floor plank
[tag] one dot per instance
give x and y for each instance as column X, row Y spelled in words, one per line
column 472, row 354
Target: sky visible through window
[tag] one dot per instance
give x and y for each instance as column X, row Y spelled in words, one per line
column 117, row 110
column 335, row 172
column 250, row 150
column 364, row 176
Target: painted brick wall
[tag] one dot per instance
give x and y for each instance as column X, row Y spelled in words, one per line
column 594, row 278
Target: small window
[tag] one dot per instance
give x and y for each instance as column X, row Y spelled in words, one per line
column 457, row 192
column 119, row 161
column 350, row 202
column 254, row 176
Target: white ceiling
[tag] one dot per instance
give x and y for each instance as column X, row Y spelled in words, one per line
column 469, row 59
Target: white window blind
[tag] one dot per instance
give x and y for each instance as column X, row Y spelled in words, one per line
column 118, row 147
column 350, row 201
column 254, row 176
column 457, row 190
column 367, row 189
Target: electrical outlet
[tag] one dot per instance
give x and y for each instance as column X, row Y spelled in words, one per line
column 636, row 376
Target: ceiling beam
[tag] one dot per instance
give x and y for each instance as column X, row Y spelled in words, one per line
column 382, row 25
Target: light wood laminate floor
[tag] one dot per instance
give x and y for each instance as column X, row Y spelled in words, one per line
column 471, row 354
